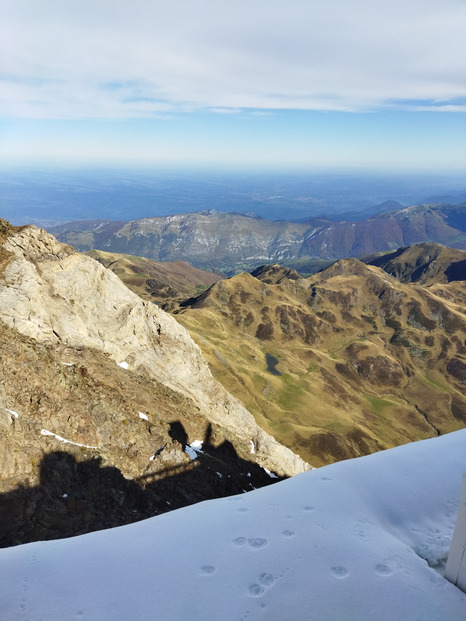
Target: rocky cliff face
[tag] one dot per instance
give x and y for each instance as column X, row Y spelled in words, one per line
column 90, row 370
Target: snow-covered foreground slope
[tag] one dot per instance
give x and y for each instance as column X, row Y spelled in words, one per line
column 346, row 542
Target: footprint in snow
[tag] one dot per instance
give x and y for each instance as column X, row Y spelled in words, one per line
column 256, row 589
column 288, row 533
column 284, row 572
column 23, row 606
column 208, row 570
column 266, row 580
column 339, row 571
column 254, row 542
column 361, row 533
column 382, row 569
column 257, row 543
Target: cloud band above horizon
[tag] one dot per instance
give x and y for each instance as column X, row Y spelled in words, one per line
column 115, row 59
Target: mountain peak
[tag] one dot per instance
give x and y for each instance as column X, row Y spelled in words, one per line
column 344, row 267
column 426, row 263
column 274, row 274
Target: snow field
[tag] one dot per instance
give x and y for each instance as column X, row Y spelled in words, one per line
column 346, row 542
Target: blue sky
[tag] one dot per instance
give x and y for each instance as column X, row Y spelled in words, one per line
column 254, row 83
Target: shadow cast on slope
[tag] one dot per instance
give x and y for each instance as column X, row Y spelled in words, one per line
column 76, row 497
column 456, row 271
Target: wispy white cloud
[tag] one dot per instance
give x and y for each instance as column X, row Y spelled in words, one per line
column 226, row 110
column 120, row 59
column 441, row 108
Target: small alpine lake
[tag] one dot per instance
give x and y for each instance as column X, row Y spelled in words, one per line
column 272, row 362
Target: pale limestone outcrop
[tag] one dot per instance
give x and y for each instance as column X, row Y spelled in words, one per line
column 55, row 295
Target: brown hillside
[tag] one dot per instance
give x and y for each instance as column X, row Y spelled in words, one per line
column 362, row 361
column 426, row 264
column 161, row 282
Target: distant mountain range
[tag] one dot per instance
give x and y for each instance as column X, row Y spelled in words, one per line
column 234, row 242
column 55, row 196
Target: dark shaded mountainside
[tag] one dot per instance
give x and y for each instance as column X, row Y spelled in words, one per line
column 349, row 361
column 228, row 242
column 108, row 411
column 425, row 264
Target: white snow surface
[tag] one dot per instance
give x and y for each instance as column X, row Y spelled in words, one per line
column 345, row 542
column 194, row 449
column 271, row 474
column 44, row 432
